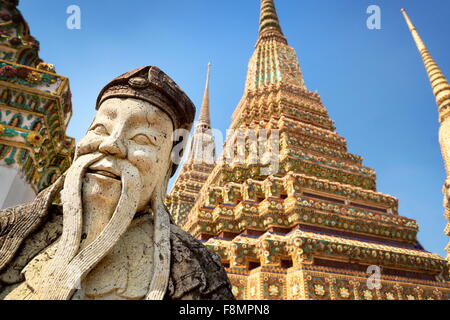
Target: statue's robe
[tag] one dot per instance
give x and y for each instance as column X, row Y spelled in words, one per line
column 28, row 230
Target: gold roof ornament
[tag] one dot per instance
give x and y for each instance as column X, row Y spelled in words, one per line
column 441, row 90
column 439, row 83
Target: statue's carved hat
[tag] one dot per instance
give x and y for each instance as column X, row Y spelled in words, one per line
column 151, row 84
column 11, row 3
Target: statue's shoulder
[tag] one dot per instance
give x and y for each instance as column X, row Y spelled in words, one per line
column 196, row 272
column 18, row 223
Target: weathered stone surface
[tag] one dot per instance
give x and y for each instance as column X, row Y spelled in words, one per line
column 112, row 237
column 196, row 273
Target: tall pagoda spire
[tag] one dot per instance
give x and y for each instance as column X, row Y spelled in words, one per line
column 202, row 148
column 269, row 24
column 439, row 83
column 198, row 164
column 441, row 90
column 204, row 118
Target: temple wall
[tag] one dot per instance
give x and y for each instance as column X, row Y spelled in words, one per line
column 14, row 190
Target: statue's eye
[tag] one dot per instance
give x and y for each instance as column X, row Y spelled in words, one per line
column 142, row 140
column 100, row 129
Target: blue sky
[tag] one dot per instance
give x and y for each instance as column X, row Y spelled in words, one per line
column 372, row 81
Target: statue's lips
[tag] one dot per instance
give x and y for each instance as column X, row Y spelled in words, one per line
column 104, row 173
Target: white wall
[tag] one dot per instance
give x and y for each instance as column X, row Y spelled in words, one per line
column 14, row 190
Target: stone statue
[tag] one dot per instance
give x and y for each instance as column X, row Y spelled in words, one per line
column 112, row 238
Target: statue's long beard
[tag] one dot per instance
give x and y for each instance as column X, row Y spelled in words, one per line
column 70, row 264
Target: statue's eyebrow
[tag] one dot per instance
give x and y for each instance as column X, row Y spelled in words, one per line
column 151, row 119
column 111, row 114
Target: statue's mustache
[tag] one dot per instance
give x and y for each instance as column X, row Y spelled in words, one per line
column 107, row 166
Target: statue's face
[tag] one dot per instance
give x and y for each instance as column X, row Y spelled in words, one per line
column 129, row 132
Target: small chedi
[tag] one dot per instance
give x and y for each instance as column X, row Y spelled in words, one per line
column 200, row 160
column 441, row 89
column 35, row 109
column 316, row 228
column 112, row 237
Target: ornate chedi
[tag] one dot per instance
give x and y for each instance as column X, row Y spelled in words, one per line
column 441, row 89
column 35, row 109
column 313, row 228
column 197, row 166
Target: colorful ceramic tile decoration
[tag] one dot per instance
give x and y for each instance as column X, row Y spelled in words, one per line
column 313, row 228
column 35, row 109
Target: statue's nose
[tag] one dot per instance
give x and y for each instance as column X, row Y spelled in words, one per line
column 113, row 146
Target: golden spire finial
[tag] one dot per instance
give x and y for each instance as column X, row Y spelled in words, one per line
column 204, row 117
column 415, row 34
column 439, row 83
column 441, row 90
column 269, row 24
